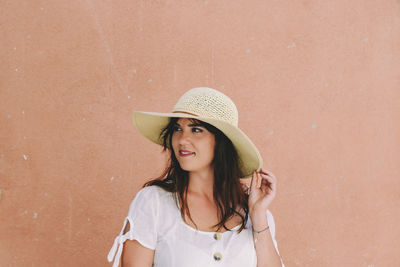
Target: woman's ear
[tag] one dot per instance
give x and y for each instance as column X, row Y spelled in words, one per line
column 245, row 187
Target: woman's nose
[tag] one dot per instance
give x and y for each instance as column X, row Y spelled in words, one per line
column 184, row 138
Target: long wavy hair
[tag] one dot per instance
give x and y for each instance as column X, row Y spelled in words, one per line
column 229, row 196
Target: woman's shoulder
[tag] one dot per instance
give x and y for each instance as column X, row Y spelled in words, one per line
column 152, row 195
column 153, row 201
column 153, row 191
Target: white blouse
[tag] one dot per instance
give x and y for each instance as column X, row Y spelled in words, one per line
column 156, row 223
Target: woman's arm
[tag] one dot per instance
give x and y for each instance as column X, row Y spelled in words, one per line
column 263, row 242
column 138, row 237
column 262, row 192
column 136, row 255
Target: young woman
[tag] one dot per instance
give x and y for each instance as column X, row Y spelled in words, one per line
column 197, row 213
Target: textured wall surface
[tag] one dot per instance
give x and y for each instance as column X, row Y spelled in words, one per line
column 317, row 85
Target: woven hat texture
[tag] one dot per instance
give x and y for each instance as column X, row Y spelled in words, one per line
column 209, row 103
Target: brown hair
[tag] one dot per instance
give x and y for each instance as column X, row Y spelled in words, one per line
column 228, row 193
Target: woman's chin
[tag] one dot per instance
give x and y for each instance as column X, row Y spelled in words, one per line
column 187, row 168
column 193, row 169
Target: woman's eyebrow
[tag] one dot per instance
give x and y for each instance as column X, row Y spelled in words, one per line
column 195, row 125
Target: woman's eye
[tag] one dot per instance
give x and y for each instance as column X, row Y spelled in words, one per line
column 176, row 129
column 197, row 130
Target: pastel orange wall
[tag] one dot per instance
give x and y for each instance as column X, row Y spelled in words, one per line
column 317, row 85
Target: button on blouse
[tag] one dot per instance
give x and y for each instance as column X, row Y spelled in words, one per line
column 217, row 236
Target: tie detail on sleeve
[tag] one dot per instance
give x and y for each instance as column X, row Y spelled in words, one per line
column 119, row 243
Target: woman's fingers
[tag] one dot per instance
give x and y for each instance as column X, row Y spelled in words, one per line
column 262, row 189
column 267, row 172
column 253, row 183
column 269, row 179
column 263, row 178
column 260, row 180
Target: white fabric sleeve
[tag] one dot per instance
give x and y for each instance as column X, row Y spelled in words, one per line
column 143, row 219
column 271, row 224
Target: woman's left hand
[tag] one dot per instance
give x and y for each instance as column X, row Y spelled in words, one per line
column 262, row 192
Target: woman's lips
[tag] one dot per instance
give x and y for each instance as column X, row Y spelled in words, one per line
column 185, row 153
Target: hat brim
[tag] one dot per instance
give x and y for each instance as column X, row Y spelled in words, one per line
column 150, row 125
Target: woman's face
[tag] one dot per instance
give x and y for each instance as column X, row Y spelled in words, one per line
column 193, row 146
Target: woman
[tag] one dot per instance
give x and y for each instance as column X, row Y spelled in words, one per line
column 198, row 213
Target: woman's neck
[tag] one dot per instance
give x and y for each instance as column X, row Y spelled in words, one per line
column 202, row 183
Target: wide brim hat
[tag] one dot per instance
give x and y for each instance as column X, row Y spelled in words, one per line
column 210, row 106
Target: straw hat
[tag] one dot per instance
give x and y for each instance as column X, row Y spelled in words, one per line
column 210, row 106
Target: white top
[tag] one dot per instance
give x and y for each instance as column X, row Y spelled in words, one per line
column 156, row 223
